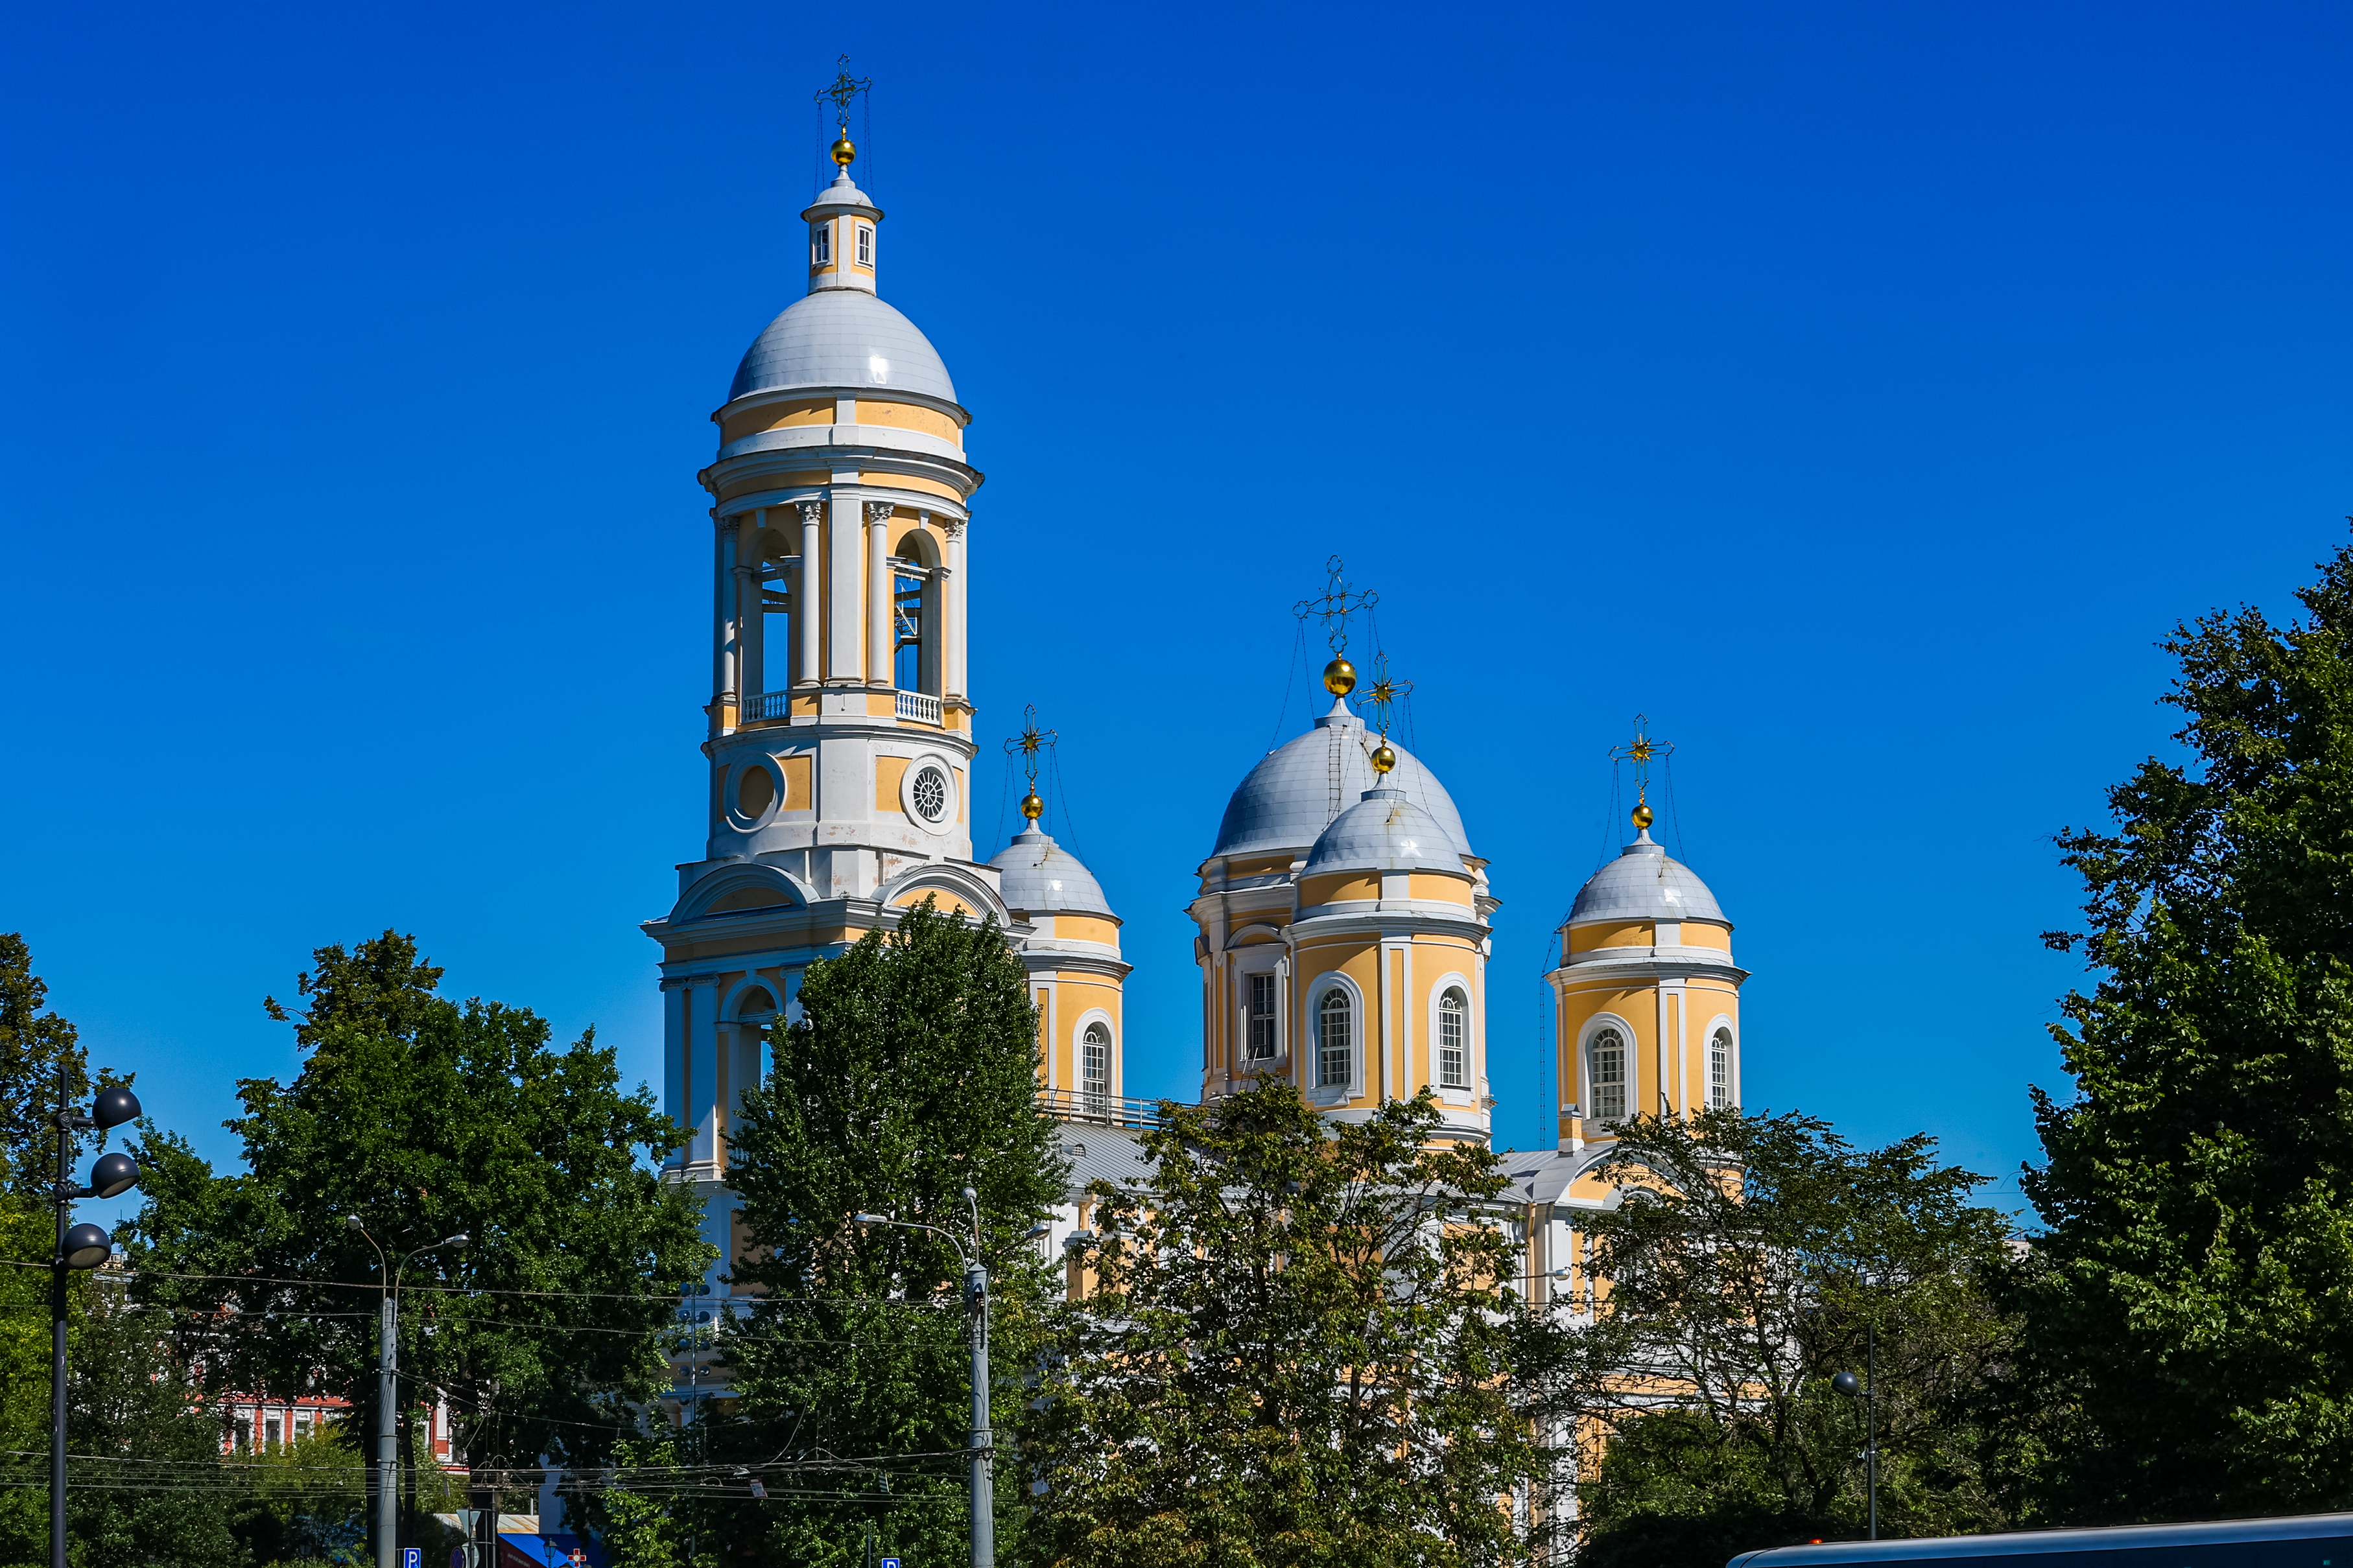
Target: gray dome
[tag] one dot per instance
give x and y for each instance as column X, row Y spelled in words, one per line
column 1644, row 884
column 1296, row 790
column 842, row 338
column 1384, row 832
column 1041, row 877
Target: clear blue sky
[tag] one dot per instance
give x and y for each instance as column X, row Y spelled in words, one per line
column 1858, row 390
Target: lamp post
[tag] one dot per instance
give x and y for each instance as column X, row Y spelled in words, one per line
column 78, row 1247
column 1868, row 1392
column 388, row 1390
column 975, row 1300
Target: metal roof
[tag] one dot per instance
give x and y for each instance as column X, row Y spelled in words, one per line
column 842, row 338
column 1644, row 883
column 1291, row 797
column 1384, row 831
column 1039, row 875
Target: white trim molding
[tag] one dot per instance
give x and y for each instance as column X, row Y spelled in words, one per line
column 1311, row 1058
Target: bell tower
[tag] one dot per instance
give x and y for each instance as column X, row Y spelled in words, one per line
column 838, row 737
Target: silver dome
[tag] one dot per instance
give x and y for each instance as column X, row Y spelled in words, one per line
column 1384, row 832
column 1039, row 875
column 842, row 338
column 1296, row 790
column 1644, row 883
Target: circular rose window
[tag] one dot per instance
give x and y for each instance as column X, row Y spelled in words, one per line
column 930, row 791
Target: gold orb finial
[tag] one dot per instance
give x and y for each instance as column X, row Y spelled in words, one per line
column 1642, row 815
column 1031, row 807
column 844, row 153
column 1384, row 758
column 1339, row 678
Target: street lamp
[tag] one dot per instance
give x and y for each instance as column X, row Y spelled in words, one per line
column 80, row 1246
column 387, row 1372
column 975, row 1300
column 1847, row 1384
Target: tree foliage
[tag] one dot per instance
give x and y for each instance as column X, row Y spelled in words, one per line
column 2190, row 1313
column 910, row 1075
column 425, row 1117
column 1305, row 1344
column 1740, row 1271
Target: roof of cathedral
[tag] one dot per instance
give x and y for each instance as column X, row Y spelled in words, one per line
column 1041, row 877
column 1386, row 832
column 842, row 338
column 1297, row 789
column 1644, row 883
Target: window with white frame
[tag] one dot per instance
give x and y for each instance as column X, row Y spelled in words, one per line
column 1454, row 1021
column 245, row 1433
column 1719, row 1071
column 1260, row 1024
column 1606, row 1076
column 821, row 243
column 1094, row 1068
column 865, row 245
column 1331, row 1055
column 270, row 1429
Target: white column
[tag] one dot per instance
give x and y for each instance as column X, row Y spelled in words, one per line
column 722, row 625
column 674, row 1052
column 703, row 1071
column 951, row 612
column 880, row 632
column 844, row 645
column 809, row 593
column 749, row 615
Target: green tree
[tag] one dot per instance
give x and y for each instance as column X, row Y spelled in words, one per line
column 1306, row 1344
column 911, row 1076
column 426, row 1118
column 35, row 1048
column 1737, row 1275
column 2191, row 1302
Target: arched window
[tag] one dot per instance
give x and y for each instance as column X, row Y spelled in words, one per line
column 1607, row 1076
column 1453, row 1061
column 1332, row 1054
column 1094, row 1070
column 1719, row 1071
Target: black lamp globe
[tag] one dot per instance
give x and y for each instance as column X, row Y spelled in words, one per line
column 113, row 1175
column 87, row 1246
column 1846, row 1383
column 116, row 1105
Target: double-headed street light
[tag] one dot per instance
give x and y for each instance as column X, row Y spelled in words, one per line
column 387, row 1391
column 976, row 1301
column 80, row 1246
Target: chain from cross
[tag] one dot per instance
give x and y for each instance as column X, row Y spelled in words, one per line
column 1027, row 745
column 1641, row 752
column 1385, row 691
column 1335, row 605
column 844, row 91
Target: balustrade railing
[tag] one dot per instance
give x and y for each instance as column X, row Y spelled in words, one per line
column 1087, row 1105
column 921, row 706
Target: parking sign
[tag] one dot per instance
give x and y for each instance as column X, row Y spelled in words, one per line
column 412, row 1557
column 890, row 1563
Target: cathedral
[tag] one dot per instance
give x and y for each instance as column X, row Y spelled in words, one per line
column 1344, row 912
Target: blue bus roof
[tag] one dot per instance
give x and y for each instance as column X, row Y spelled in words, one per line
column 2235, row 1540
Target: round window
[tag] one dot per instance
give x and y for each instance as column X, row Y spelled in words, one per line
column 755, row 790
column 931, row 793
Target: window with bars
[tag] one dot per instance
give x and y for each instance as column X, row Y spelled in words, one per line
column 1094, row 1067
column 1453, row 1019
column 1607, row 1076
column 1333, row 1052
column 1719, row 1071
column 1260, row 1046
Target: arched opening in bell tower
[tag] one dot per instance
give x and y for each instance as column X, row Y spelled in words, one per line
column 915, row 595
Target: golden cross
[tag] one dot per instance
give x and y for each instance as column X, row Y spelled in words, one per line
column 1640, row 752
column 1335, row 605
column 845, row 89
column 1386, row 689
column 1027, row 745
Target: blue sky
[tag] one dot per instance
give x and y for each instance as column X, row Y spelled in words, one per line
column 1857, row 390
